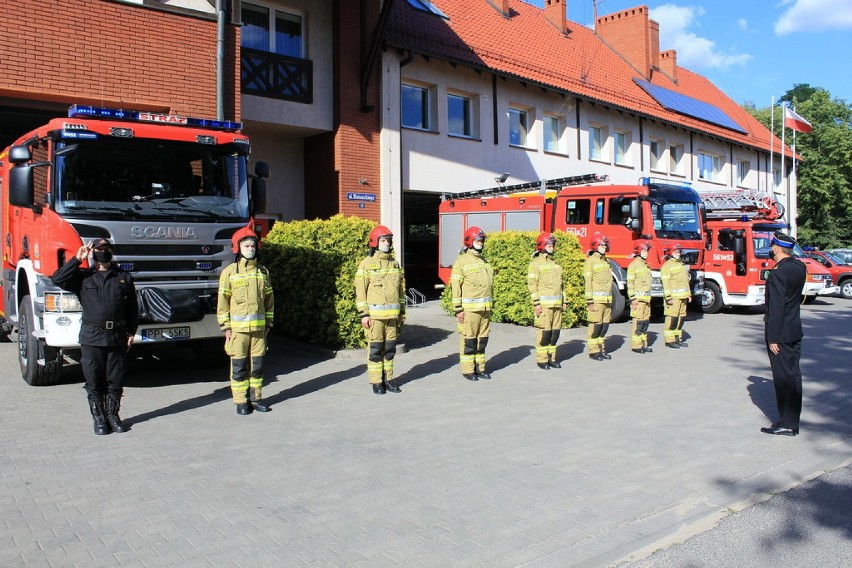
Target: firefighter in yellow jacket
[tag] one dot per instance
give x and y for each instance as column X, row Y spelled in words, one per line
column 675, row 277
column 544, row 280
column 639, row 292
column 380, row 300
column 472, row 283
column 245, row 313
column 597, row 275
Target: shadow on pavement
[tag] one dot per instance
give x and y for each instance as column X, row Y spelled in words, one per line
column 762, row 394
column 506, row 358
column 424, row 370
column 317, row 384
column 570, row 349
column 419, row 336
column 218, row 395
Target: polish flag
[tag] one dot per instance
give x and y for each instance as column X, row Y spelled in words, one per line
column 795, row 121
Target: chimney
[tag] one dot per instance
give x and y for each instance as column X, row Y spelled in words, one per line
column 668, row 64
column 501, row 6
column 555, row 12
column 634, row 36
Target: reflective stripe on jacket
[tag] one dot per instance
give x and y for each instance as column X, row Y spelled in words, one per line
column 639, row 280
column 245, row 297
column 379, row 287
column 598, row 279
column 544, row 280
column 675, row 277
column 472, row 282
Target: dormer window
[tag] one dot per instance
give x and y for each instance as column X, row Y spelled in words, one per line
column 427, row 6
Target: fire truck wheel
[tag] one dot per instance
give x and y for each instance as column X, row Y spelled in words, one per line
column 711, row 298
column 30, row 350
column 618, row 304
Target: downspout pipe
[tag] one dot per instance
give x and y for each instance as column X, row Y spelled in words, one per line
column 220, row 59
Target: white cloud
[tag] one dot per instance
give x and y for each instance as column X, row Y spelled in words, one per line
column 693, row 51
column 742, row 24
column 815, row 16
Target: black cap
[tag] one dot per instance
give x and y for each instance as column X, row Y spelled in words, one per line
column 102, row 244
column 782, row 240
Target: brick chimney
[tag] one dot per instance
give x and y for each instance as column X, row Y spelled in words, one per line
column 555, row 12
column 501, row 6
column 668, row 64
column 634, row 36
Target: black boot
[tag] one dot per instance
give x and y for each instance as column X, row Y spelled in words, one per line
column 543, row 366
column 378, row 388
column 244, row 408
column 113, row 404
column 390, row 386
column 97, row 408
column 260, row 406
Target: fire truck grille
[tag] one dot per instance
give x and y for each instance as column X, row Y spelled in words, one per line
column 163, row 265
column 160, row 250
column 690, row 258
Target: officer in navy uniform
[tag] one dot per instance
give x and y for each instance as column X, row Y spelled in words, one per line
column 110, row 318
column 783, row 325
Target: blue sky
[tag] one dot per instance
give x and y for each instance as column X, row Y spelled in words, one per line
column 751, row 49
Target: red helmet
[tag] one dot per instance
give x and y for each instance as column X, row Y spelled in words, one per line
column 241, row 235
column 543, row 240
column 598, row 240
column 639, row 248
column 377, row 233
column 471, row 235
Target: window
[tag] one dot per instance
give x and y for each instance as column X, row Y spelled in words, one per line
column 518, row 127
column 266, row 29
column 619, row 211
column 709, row 166
column 599, row 212
column 595, row 143
column 459, row 115
column 552, row 134
column 416, row 107
column 776, row 176
column 743, row 168
column 622, row 148
column 427, row 6
column 675, row 159
column 656, row 147
column 577, row 212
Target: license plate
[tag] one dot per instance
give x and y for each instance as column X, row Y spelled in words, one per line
column 166, row 334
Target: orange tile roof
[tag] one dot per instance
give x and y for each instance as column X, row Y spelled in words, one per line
column 529, row 47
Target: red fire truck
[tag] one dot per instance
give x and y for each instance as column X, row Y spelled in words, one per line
column 168, row 191
column 656, row 211
column 740, row 226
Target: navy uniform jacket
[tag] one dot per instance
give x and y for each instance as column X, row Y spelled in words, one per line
column 109, row 296
column 783, row 298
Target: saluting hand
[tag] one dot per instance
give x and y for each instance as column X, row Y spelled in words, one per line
column 83, row 251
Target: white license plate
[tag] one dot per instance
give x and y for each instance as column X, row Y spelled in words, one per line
column 165, row 334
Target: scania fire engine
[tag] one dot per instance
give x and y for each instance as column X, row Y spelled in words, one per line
column 167, row 191
column 654, row 211
column 740, row 226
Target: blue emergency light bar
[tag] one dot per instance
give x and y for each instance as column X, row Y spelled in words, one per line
column 84, row 111
column 662, row 181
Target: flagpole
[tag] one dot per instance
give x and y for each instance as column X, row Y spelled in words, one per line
column 784, row 164
column 794, row 179
column 770, row 184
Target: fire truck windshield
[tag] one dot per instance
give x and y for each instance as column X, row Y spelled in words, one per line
column 676, row 220
column 150, row 179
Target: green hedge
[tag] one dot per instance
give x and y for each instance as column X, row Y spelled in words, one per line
column 313, row 264
column 510, row 253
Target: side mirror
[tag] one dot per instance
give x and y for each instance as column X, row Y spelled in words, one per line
column 739, row 244
column 21, row 191
column 258, row 195
column 261, row 170
column 20, row 154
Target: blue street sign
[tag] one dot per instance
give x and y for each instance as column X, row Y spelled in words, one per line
column 351, row 196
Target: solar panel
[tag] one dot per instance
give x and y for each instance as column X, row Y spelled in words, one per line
column 689, row 106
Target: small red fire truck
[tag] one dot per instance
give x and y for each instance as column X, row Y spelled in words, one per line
column 740, row 226
column 659, row 212
column 168, row 191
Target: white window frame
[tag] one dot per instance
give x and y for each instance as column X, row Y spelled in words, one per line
column 272, row 12
column 743, row 171
column 709, row 166
column 525, row 121
column 676, row 155
column 550, row 143
column 598, row 134
column 659, row 156
column 621, row 147
column 470, row 122
column 427, row 98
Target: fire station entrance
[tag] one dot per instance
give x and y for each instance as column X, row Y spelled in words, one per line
column 420, row 218
column 15, row 120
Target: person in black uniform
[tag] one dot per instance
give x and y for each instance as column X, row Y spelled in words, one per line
column 108, row 299
column 784, row 334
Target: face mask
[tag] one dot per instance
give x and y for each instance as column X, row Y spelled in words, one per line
column 549, row 249
column 248, row 251
column 676, row 255
column 602, row 249
column 102, row 256
column 477, row 245
column 384, row 247
column 643, row 253
column 771, row 254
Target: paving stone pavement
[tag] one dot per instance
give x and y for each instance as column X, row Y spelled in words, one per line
column 596, row 464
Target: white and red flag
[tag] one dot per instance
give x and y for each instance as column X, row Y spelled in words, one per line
column 795, row 121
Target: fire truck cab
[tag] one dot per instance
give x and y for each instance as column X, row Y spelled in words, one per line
column 653, row 211
column 739, row 229
column 167, row 191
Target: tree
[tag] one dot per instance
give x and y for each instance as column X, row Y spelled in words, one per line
column 825, row 171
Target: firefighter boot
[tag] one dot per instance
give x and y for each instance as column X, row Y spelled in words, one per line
column 97, row 408
column 378, row 388
column 244, row 408
column 260, row 406
column 113, row 404
column 552, row 363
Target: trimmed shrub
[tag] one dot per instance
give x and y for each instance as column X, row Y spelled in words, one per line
column 510, row 253
column 313, row 264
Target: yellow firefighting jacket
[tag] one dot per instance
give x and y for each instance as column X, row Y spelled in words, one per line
column 598, row 278
column 472, row 281
column 544, row 280
column 639, row 280
column 245, row 297
column 380, row 287
column 675, row 277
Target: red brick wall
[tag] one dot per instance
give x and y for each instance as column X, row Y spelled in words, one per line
column 628, row 33
column 107, row 52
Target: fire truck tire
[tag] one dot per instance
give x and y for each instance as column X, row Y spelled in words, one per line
column 30, row 350
column 711, row 298
column 618, row 304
